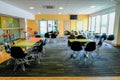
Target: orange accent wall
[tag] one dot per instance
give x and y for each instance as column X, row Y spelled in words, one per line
column 73, row 25
column 58, row 17
column 84, row 18
column 32, row 26
column 52, row 17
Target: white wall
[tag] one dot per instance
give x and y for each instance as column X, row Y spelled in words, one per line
column 14, row 11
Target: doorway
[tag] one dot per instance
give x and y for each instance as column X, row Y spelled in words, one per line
column 48, row 26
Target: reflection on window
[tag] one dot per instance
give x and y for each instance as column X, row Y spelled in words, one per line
column 111, row 23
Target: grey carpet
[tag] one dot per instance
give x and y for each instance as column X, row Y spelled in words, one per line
column 55, row 62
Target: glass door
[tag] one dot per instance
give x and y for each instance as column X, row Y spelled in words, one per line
column 48, row 26
column 43, row 27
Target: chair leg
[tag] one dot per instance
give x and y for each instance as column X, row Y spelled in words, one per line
column 15, row 67
column 23, row 67
column 39, row 57
column 86, row 55
column 8, row 62
column 88, row 58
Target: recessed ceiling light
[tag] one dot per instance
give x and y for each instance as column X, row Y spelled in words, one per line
column 39, row 13
column 31, row 7
column 59, row 13
column 92, row 6
column 60, row 7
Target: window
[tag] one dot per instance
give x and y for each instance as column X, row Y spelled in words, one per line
column 104, row 24
column 111, row 23
column 93, row 24
column 97, row 29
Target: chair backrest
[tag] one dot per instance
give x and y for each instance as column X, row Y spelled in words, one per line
column 79, row 37
column 71, row 36
column 17, row 52
column 7, row 48
column 38, row 36
column 100, row 42
column 110, row 37
column 91, row 46
column 44, row 41
column 38, row 47
column 103, row 36
column 76, row 46
column 47, row 35
column 53, row 35
column 35, row 33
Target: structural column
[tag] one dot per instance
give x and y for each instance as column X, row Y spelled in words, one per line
column 116, row 42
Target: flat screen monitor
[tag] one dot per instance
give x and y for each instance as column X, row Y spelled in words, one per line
column 73, row 17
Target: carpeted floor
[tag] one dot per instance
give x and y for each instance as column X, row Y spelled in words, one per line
column 56, row 63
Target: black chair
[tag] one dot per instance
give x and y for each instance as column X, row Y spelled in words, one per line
column 20, row 57
column 100, row 42
column 103, row 36
column 37, row 51
column 38, row 36
column 97, row 35
column 99, row 45
column 47, row 36
column 35, row 33
column 79, row 37
column 76, row 47
column 53, row 37
column 71, row 36
column 91, row 46
column 110, row 37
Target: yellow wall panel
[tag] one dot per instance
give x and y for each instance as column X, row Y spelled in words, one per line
column 51, row 17
column 73, row 25
column 32, row 26
column 84, row 18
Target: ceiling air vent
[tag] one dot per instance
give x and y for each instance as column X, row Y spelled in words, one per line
column 48, row 6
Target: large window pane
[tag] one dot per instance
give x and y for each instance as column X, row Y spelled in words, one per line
column 104, row 24
column 111, row 23
column 93, row 24
column 43, row 27
column 97, row 29
column 50, row 25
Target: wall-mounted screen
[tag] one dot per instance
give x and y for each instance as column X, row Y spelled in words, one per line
column 74, row 17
